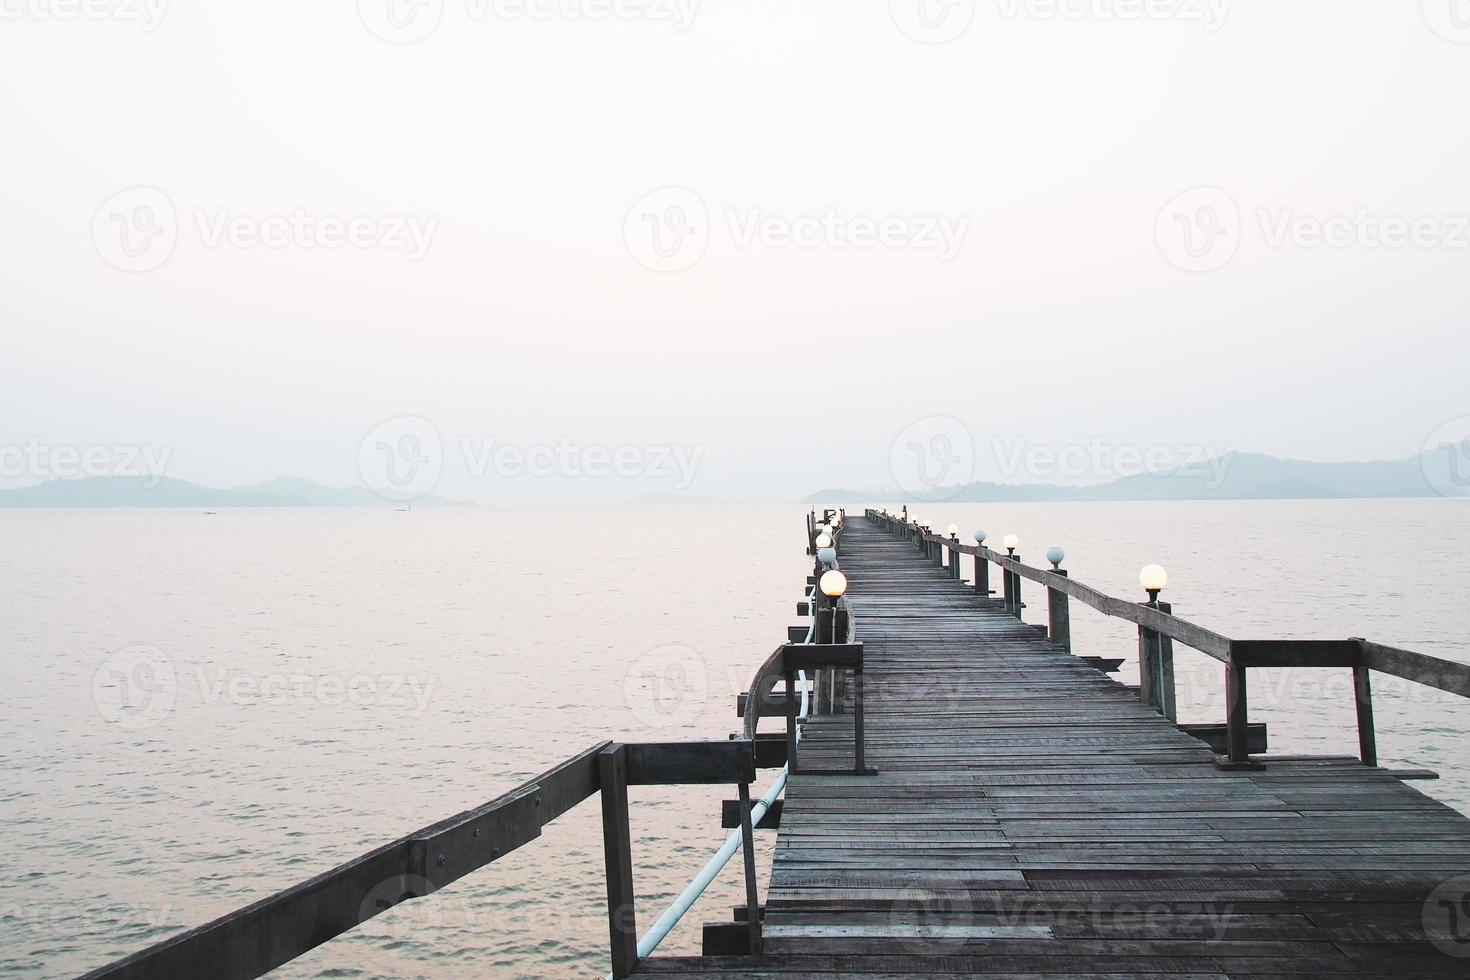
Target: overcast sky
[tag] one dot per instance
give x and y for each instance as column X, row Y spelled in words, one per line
column 787, row 241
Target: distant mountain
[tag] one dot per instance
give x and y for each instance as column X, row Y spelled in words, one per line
column 1442, row 472
column 148, row 491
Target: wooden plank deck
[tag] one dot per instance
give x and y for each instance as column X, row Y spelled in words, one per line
column 1032, row 818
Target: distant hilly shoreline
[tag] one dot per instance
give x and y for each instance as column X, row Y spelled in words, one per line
column 1442, row 472
column 151, row 491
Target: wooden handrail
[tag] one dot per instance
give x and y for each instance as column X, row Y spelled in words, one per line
column 260, row 937
column 1446, row 675
column 1158, row 627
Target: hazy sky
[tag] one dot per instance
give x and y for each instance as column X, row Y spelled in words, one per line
column 855, row 229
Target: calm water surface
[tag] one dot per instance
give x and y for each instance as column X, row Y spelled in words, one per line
column 203, row 710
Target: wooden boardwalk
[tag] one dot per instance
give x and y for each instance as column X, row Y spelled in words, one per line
column 1030, row 817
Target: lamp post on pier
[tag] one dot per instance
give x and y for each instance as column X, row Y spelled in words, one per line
column 1156, row 651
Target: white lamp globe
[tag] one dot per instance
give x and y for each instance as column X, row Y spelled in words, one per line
column 1153, row 578
column 1055, row 555
column 1011, row 542
column 979, row 537
column 954, row 530
column 826, row 555
column 833, row 584
column 824, row 540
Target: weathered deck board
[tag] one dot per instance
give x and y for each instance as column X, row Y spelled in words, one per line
column 1032, row 818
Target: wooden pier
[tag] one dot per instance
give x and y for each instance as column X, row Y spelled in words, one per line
column 964, row 796
column 1030, row 816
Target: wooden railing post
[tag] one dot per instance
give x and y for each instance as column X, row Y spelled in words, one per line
column 1156, row 668
column 825, row 615
column 791, row 719
column 1058, row 615
column 1016, row 603
column 1167, row 693
column 1006, row 586
column 752, row 895
column 954, row 556
column 617, row 846
column 1367, row 736
column 982, row 574
column 1238, row 749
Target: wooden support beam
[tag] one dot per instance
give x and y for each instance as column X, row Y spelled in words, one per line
column 725, row 939
column 1215, row 736
column 1108, row 665
column 770, row 749
column 689, row 763
column 730, row 816
column 1296, row 653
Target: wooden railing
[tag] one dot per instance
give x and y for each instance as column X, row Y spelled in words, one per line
column 1158, row 629
column 258, row 938
column 829, row 654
